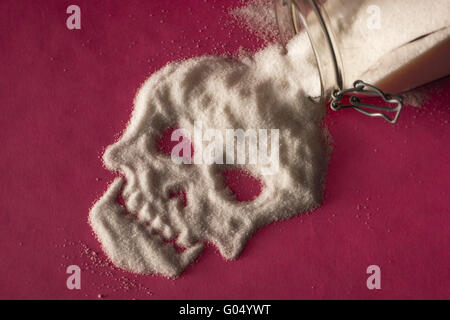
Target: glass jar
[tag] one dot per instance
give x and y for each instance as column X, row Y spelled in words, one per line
column 393, row 45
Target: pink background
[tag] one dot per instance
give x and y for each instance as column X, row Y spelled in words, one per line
column 65, row 95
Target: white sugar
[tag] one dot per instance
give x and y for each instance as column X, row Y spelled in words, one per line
column 268, row 91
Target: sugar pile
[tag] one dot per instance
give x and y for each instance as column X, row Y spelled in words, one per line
column 153, row 233
column 267, row 91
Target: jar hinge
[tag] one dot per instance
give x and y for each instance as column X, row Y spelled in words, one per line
column 370, row 90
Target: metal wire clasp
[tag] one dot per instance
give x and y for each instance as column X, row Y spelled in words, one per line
column 366, row 89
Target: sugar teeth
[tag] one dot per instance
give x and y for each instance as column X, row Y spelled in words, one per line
column 128, row 190
column 134, row 202
column 145, row 214
column 157, row 224
column 185, row 239
column 168, row 232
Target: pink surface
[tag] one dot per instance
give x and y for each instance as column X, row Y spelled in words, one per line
column 65, row 95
